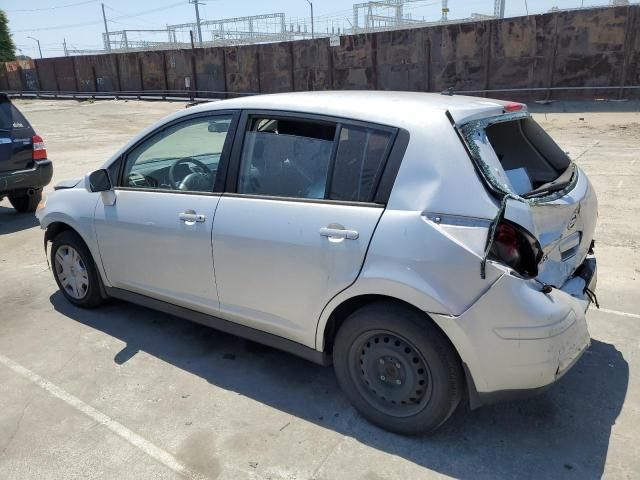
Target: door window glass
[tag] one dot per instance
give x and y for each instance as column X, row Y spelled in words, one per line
column 286, row 158
column 182, row 157
column 359, row 162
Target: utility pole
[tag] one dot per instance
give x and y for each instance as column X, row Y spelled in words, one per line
column 311, row 5
column 195, row 3
column 445, row 11
column 64, row 45
column 106, row 31
column 38, row 41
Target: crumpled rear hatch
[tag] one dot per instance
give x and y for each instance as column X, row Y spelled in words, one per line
column 538, row 185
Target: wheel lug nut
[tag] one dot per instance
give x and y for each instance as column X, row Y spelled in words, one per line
column 397, row 365
column 383, row 378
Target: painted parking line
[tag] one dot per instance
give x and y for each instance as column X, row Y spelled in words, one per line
column 617, row 312
column 133, row 438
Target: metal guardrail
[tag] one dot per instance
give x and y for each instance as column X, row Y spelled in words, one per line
column 211, row 95
column 180, row 95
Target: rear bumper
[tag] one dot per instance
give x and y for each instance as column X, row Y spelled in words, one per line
column 21, row 180
column 516, row 341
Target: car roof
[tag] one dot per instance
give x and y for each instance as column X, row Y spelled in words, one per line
column 384, row 107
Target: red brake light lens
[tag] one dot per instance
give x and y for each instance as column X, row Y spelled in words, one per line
column 513, row 107
column 39, row 150
column 516, row 248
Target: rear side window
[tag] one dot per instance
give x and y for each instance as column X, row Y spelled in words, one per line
column 10, row 117
column 286, row 158
column 359, row 163
column 312, row 159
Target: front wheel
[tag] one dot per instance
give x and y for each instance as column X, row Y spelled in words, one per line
column 74, row 270
column 397, row 368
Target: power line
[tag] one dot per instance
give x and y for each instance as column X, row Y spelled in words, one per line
column 121, row 13
column 84, row 24
column 51, row 8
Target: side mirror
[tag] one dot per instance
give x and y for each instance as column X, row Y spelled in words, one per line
column 218, row 127
column 99, row 181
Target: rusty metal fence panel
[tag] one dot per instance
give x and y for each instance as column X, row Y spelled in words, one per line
column 580, row 53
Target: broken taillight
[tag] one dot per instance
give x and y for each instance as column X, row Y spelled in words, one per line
column 39, row 150
column 517, row 248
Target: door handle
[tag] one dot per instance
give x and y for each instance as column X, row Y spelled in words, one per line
column 339, row 233
column 191, row 216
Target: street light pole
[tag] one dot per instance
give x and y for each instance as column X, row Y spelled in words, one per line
column 38, row 42
column 311, row 5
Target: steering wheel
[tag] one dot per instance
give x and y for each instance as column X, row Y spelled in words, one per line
column 201, row 169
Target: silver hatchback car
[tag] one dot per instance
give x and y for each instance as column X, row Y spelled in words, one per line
column 432, row 247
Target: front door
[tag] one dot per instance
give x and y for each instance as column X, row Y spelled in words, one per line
column 155, row 239
column 296, row 229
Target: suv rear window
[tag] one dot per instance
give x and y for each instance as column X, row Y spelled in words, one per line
column 518, row 153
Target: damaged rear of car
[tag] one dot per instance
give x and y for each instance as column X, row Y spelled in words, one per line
column 543, row 234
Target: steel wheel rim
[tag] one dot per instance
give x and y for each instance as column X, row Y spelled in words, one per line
column 71, row 272
column 390, row 373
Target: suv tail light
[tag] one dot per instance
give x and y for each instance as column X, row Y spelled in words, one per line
column 39, row 150
column 517, row 248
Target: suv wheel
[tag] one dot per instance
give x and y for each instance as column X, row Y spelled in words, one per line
column 74, row 270
column 397, row 368
column 26, row 203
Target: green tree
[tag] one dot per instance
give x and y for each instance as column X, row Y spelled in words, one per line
column 7, row 47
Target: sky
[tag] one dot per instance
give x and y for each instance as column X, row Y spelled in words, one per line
column 81, row 24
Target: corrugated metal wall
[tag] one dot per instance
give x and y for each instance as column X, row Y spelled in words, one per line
column 580, row 48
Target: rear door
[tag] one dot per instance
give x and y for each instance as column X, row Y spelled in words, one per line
column 15, row 138
column 294, row 229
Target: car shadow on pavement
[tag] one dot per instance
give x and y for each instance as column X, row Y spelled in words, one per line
column 562, row 433
column 12, row 221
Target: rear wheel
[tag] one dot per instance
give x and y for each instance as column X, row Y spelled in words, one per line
column 26, row 203
column 397, row 368
column 74, row 270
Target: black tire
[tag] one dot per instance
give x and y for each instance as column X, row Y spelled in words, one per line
column 397, row 368
column 91, row 296
column 26, row 203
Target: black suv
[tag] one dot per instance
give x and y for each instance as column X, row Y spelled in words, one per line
column 24, row 167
